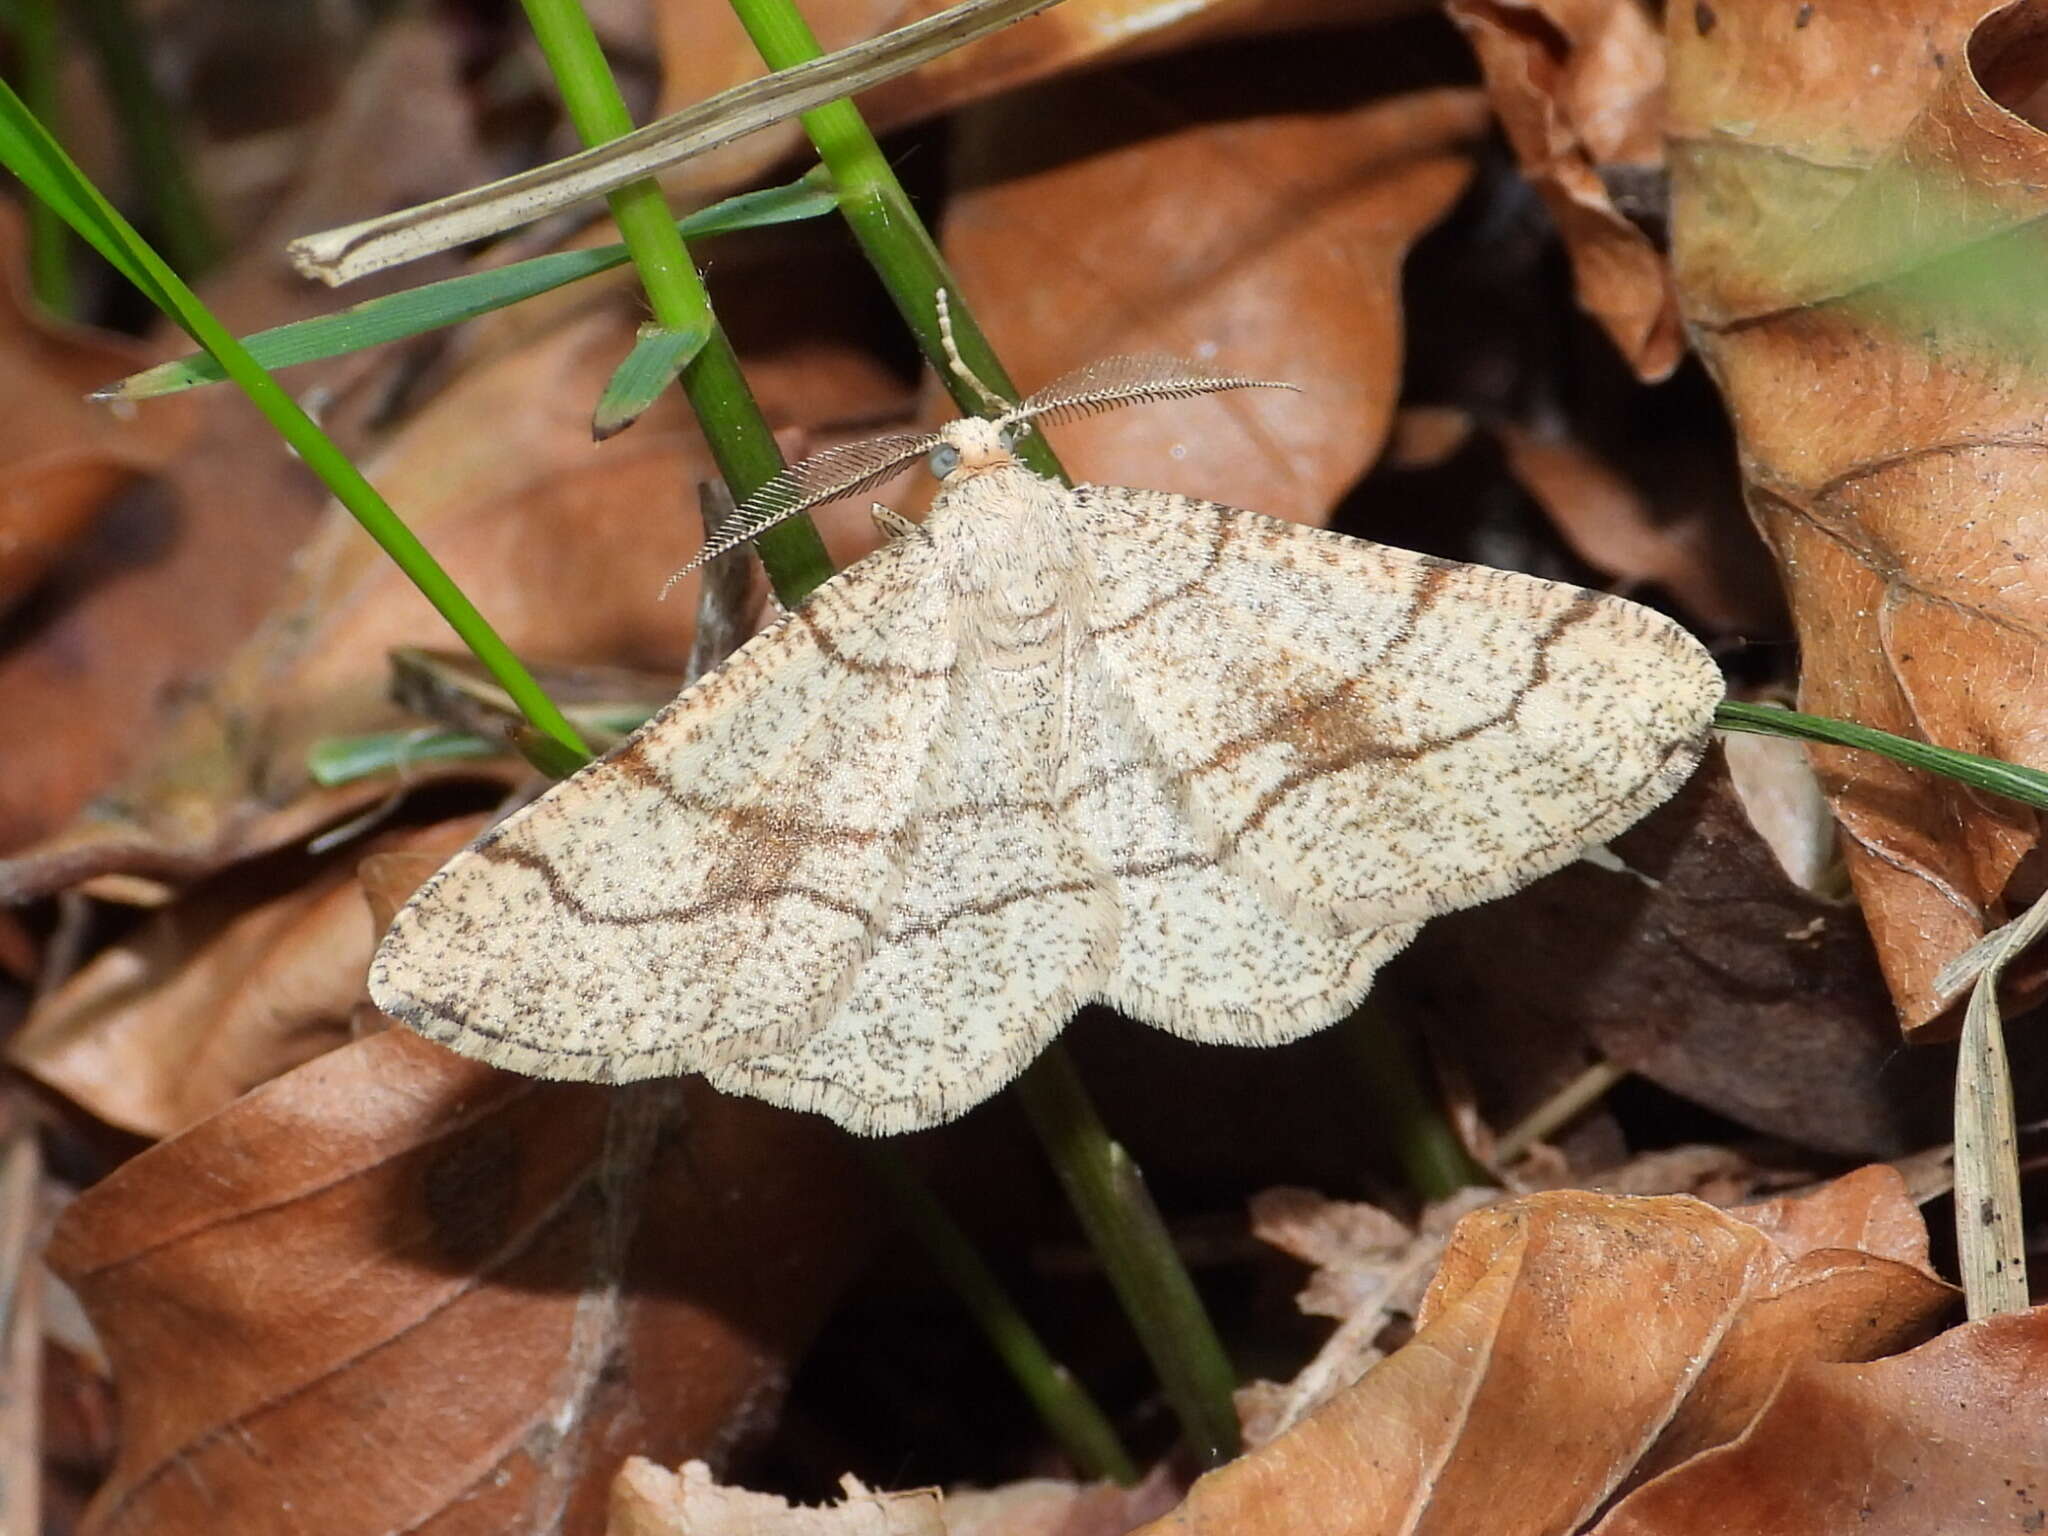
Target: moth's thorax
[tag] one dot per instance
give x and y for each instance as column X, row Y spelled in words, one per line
column 1007, row 542
column 1003, row 532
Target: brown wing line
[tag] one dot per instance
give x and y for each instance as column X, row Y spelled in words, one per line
column 1329, row 751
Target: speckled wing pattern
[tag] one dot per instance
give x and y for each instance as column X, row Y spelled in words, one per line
column 831, row 875
column 1005, row 923
column 713, row 888
column 1331, row 741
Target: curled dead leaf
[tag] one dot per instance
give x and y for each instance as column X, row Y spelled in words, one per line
column 1892, row 448
column 1579, row 87
column 1946, row 1437
column 1570, row 1342
column 1074, row 229
column 1699, row 964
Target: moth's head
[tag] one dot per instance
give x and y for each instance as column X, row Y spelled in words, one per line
column 970, row 445
column 966, row 447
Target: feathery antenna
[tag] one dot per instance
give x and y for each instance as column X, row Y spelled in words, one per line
column 852, row 468
column 1129, row 380
column 846, row 470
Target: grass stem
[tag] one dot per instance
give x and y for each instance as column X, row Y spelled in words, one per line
column 740, row 439
column 887, row 225
column 1421, row 1137
column 1108, row 1193
column 1064, row 1405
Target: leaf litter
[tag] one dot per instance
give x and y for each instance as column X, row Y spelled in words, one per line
column 1892, row 457
column 519, row 1305
column 121, row 651
column 492, row 1282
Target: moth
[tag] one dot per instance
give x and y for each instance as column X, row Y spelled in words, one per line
column 1049, row 747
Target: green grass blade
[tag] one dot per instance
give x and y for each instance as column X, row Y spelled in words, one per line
column 658, row 355
column 453, row 300
column 808, row 197
column 2027, row 785
column 376, row 321
column 336, row 760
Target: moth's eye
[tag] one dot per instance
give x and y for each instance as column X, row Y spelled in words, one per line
column 944, row 460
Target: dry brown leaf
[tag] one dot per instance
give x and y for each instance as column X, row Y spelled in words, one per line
column 704, row 50
column 164, row 586
column 1370, row 1268
column 1579, row 87
column 648, row 1500
column 1701, row 965
column 1076, row 232
column 1821, row 164
column 561, row 545
column 225, row 989
column 1674, row 544
column 388, row 877
column 1947, row 1437
column 62, row 459
column 1568, row 1339
column 1348, row 1241
column 396, row 1290
column 1818, row 1304
column 1425, row 436
column 1862, row 1210
column 1370, row 1271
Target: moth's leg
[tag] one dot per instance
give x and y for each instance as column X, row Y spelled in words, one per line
column 891, row 523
